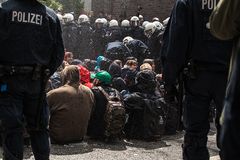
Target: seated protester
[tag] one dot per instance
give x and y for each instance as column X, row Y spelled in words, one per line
column 98, row 124
column 117, row 82
column 99, row 60
column 68, row 57
column 145, row 108
column 70, row 108
column 90, row 65
column 119, row 62
column 146, row 66
column 130, row 80
column 55, row 80
column 131, row 64
column 85, row 77
column 151, row 62
column 105, row 64
column 76, row 62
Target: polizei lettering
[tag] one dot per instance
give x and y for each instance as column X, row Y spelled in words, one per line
column 23, row 17
column 209, row 4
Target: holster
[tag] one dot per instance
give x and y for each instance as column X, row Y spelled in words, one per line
column 190, row 71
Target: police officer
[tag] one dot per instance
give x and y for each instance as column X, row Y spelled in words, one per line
column 125, row 27
column 138, row 49
column 31, row 50
column 190, row 44
column 99, row 39
column 84, row 36
column 114, row 32
column 137, row 31
column 154, row 43
column 69, row 33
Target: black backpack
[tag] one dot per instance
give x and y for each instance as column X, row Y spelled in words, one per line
column 154, row 118
column 146, row 116
column 114, row 116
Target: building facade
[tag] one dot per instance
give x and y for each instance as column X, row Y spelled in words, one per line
column 127, row 8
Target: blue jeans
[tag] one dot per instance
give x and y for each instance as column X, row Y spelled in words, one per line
column 19, row 99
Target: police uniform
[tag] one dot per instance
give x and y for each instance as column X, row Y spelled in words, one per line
column 31, row 45
column 190, row 42
column 138, row 33
column 155, row 44
column 70, row 37
column 139, row 50
column 84, row 41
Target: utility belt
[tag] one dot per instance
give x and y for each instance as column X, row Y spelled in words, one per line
column 193, row 68
column 11, row 70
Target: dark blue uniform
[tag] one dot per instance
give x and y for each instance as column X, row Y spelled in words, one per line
column 70, row 37
column 84, row 42
column 138, row 50
column 189, row 41
column 155, row 45
column 138, row 33
column 113, row 34
column 30, row 38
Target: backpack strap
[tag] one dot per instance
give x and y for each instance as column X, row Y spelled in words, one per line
column 104, row 93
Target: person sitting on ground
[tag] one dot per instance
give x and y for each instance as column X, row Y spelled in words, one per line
column 96, row 127
column 146, row 66
column 151, row 62
column 85, row 76
column 143, row 105
column 119, row 62
column 117, row 82
column 70, row 108
column 68, row 57
column 130, row 65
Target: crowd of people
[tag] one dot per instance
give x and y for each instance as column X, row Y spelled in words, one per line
column 119, row 79
column 101, row 60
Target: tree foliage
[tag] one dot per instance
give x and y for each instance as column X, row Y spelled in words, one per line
column 75, row 6
column 54, row 4
column 66, row 6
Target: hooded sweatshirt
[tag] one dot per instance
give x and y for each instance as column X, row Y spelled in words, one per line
column 70, row 108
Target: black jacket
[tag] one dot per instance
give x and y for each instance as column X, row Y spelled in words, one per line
column 70, row 36
column 96, row 125
column 188, row 37
column 114, row 34
column 139, row 50
column 155, row 44
column 30, row 34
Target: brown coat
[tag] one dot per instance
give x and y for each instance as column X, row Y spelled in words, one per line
column 70, row 110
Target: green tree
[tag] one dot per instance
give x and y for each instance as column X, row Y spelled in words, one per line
column 54, row 4
column 75, row 6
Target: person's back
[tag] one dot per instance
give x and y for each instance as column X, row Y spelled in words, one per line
column 96, row 128
column 70, row 110
column 32, row 50
column 139, row 50
column 104, row 123
column 191, row 46
column 28, row 21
